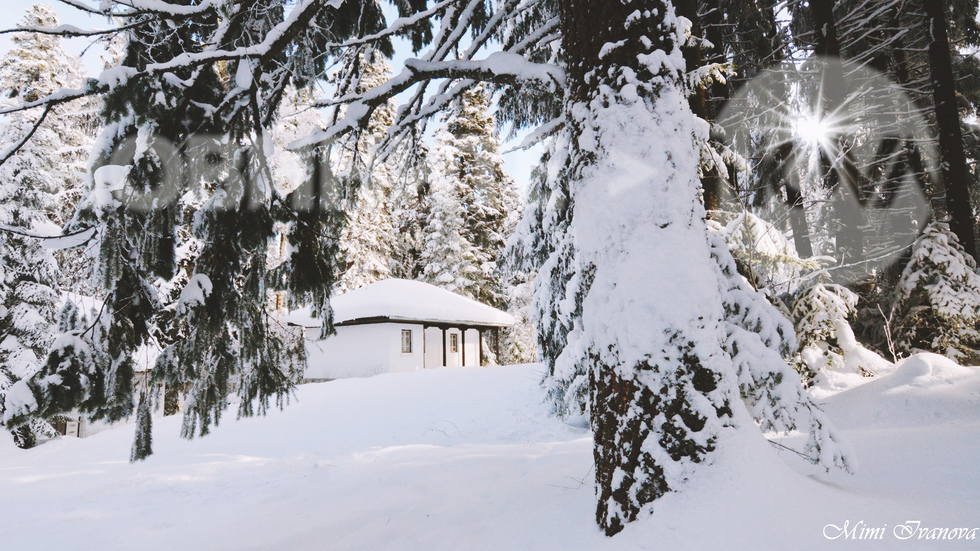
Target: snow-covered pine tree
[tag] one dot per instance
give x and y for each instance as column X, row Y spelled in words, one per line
column 368, row 238
column 937, row 299
column 522, row 260
column 449, row 260
column 518, row 343
column 74, row 370
column 33, row 183
column 473, row 204
column 411, row 213
column 661, row 388
column 35, row 66
column 821, row 311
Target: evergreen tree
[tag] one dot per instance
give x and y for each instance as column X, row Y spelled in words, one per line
column 821, row 313
column 166, row 123
column 660, row 396
column 519, row 342
column 412, row 211
column 368, row 238
column 937, row 299
column 953, row 165
column 473, row 206
column 32, row 183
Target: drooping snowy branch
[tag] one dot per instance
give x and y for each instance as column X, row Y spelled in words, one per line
column 498, row 67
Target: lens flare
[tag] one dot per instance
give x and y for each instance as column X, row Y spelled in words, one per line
column 812, row 130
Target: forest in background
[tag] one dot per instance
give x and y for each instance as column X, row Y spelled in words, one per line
column 288, row 194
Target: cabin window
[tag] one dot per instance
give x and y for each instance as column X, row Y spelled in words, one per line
column 453, row 342
column 406, row 341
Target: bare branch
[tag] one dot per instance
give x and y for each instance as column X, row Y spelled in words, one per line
column 61, row 96
column 71, row 31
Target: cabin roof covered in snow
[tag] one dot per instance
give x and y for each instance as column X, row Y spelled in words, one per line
column 405, row 301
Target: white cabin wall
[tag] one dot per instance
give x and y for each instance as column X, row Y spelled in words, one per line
column 472, row 348
column 355, row 351
column 399, row 362
column 433, row 347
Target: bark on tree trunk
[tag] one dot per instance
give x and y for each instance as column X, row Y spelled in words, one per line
column 658, row 396
column 786, row 159
column 701, row 100
column 953, row 167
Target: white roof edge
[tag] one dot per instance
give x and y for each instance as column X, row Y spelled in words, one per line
column 410, row 321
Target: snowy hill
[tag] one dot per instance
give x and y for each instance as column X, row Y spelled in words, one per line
column 468, row 458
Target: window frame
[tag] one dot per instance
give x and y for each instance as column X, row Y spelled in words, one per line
column 406, row 333
column 454, row 343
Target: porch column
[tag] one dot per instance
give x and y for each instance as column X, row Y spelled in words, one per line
column 444, row 346
column 462, row 346
column 496, row 343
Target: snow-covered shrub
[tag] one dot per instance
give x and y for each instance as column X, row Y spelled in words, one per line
column 827, row 346
column 937, row 299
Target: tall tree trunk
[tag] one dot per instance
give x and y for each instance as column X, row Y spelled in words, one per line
column 695, row 55
column 660, row 385
column 954, row 171
column 848, row 212
column 786, row 159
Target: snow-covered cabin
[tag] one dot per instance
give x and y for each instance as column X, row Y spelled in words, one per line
column 396, row 325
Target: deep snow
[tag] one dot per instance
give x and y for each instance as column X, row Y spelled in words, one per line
column 468, row 458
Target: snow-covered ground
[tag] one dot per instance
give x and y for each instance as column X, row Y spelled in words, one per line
column 468, row 458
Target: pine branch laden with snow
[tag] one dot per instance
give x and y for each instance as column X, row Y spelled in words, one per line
column 759, row 338
column 937, row 299
column 765, row 255
column 821, row 313
column 543, row 244
column 828, row 353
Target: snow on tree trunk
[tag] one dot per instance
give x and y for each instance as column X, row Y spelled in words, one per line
column 661, row 390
